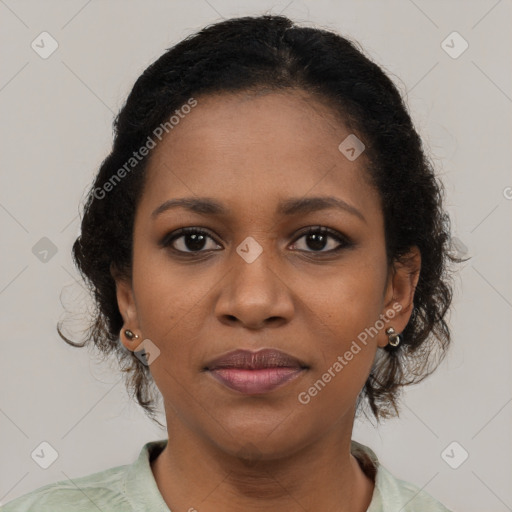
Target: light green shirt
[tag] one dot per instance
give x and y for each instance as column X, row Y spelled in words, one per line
column 132, row 488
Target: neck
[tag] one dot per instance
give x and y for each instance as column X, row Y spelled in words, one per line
column 193, row 474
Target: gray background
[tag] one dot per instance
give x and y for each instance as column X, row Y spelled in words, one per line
column 57, row 115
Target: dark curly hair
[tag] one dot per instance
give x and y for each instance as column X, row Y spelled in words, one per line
column 270, row 53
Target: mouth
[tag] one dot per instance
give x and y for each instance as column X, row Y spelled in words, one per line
column 255, row 373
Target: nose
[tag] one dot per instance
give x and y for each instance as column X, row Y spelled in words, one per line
column 256, row 294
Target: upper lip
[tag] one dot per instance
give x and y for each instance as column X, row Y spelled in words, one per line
column 246, row 359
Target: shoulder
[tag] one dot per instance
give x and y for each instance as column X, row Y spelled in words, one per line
column 390, row 493
column 405, row 495
column 126, row 488
column 81, row 494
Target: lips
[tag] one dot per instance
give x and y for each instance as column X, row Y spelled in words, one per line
column 247, row 360
column 255, row 372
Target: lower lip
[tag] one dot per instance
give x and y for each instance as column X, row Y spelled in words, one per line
column 253, row 382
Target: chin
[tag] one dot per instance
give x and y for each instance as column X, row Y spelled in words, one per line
column 261, row 440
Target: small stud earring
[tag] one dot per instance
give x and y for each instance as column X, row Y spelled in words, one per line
column 130, row 335
column 393, row 337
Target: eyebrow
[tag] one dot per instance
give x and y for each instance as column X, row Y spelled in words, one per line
column 289, row 207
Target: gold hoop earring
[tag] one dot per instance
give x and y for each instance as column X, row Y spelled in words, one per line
column 393, row 337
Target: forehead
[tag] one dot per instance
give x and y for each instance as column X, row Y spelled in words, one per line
column 253, row 148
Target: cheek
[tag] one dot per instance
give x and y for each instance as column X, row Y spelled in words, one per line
column 349, row 300
column 165, row 292
column 347, row 350
column 164, row 300
column 348, row 310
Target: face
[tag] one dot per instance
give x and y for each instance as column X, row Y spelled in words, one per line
column 262, row 265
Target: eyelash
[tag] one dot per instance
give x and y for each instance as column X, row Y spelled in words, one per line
column 344, row 241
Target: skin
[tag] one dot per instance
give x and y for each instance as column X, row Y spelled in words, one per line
column 228, row 451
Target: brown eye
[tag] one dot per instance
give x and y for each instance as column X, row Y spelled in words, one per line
column 317, row 239
column 189, row 240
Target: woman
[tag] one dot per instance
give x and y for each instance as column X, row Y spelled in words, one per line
column 266, row 243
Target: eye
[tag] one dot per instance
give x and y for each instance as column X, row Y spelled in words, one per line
column 317, row 239
column 195, row 240
column 189, row 240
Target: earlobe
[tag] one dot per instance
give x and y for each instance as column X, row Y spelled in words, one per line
column 128, row 310
column 399, row 302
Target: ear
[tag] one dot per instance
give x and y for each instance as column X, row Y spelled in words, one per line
column 127, row 308
column 399, row 294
